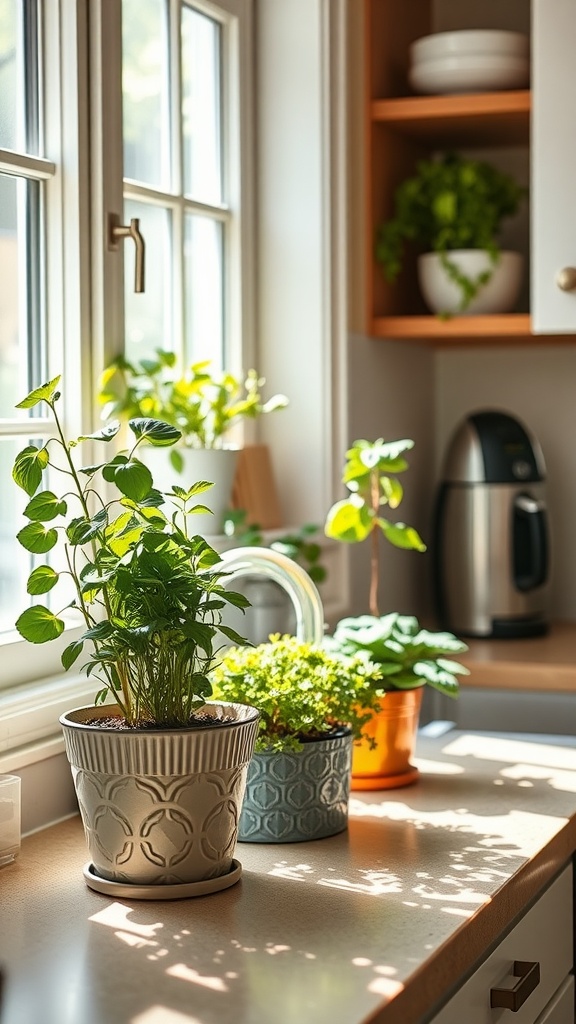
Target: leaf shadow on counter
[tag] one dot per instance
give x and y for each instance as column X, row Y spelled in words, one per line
column 337, row 925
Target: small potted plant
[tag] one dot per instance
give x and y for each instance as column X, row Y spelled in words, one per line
column 162, row 764
column 204, row 406
column 312, row 705
column 452, row 209
column 406, row 657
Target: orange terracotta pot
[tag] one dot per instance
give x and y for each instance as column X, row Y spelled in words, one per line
column 394, row 728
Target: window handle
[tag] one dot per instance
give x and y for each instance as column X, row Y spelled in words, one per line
column 528, row 974
column 118, row 231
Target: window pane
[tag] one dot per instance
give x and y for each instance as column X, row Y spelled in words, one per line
column 8, row 73
column 201, row 120
column 145, row 92
column 18, row 79
column 204, row 289
column 21, row 365
column 149, row 315
column 15, row 561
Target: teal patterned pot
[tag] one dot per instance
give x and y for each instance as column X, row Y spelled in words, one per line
column 300, row 795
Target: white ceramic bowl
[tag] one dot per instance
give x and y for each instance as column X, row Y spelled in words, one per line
column 485, row 41
column 469, row 74
column 498, row 295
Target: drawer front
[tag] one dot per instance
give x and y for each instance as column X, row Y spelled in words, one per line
column 560, row 1009
column 544, row 935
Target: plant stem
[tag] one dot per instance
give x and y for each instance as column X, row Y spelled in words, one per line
column 375, row 501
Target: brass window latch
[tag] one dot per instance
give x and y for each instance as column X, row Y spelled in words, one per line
column 117, row 232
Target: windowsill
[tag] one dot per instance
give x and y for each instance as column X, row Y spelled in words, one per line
column 29, row 716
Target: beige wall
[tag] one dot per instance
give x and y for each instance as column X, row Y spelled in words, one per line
column 390, row 392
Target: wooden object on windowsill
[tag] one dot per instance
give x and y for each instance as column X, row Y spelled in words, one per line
column 255, row 488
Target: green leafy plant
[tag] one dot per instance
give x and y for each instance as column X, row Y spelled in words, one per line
column 450, row 203
column 148, row 591
column 301, row 690
column 370, row 474
column 203, row 406
column 297, row 544
column 405, row 655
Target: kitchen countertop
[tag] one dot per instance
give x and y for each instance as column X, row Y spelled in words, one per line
column 533, row 663
column 378, row 924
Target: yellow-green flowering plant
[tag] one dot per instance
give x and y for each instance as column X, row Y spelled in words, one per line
column 301, row 690
column 202, row 405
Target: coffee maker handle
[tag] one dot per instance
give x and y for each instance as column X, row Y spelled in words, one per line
column 532, row 572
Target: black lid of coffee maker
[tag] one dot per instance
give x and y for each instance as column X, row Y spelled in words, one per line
column 509, row 454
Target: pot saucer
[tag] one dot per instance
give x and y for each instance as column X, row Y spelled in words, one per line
column 364, row 782
column 179, row 891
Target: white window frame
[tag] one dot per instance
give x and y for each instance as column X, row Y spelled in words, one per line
column 67, row 310
column 85, row 287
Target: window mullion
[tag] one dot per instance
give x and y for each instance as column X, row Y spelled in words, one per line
column 30, row 33
column 106, row 172
column 176, row 182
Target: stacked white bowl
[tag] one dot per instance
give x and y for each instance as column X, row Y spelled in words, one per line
column 473, row 60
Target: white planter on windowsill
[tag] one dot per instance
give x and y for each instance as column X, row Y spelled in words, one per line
column 499, row 295
column 217, row 465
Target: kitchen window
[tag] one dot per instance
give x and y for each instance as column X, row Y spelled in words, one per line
column 298, row 54
column 181, row 147
column 158, row 132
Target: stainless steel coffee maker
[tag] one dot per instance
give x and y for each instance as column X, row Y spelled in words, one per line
column 491, row 538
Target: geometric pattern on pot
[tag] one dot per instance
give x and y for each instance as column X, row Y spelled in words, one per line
column 161, row 831
column 297, row 796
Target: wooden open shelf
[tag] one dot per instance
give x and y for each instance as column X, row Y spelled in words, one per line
column 403, row 128
column 479, row 119
column 508, row 328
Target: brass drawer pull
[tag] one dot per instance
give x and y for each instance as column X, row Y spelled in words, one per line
column 528, row 974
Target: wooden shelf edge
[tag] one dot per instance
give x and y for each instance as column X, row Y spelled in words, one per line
column 505, row 328
column 456, row 327
column 468, row 105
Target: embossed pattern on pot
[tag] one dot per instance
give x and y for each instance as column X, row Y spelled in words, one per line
column 296, row 796
column 146, row 825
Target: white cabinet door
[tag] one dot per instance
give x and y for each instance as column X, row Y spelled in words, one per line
column 560, row 1009
column 553, row 151
column 543, row 935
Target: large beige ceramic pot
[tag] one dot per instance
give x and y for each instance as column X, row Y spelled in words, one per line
column 161, row 807
column 393, row 727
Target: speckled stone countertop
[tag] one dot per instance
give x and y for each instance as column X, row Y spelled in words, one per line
column 378, row 924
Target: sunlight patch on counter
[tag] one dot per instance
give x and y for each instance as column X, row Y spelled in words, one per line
column 523, row 773
column 458, row 912
column 188, row 974
column 438, row 767
column 116, row 916
column 384, row 984
column 163, row 1015
column 511, row 751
